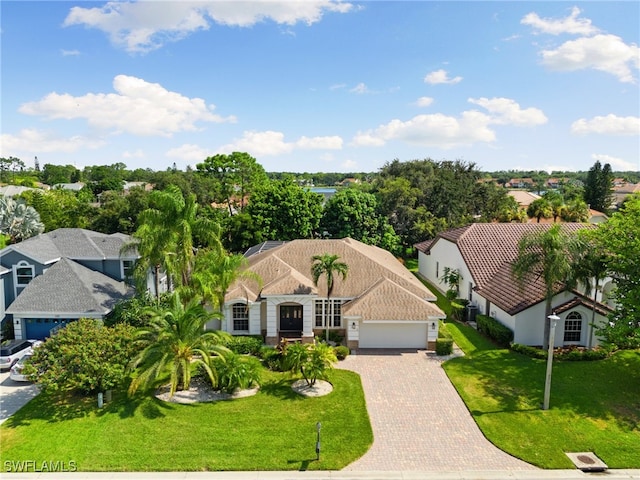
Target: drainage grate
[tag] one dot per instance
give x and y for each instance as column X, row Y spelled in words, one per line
column 587, row 462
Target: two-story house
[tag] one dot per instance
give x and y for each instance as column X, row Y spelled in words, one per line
column 57, row 277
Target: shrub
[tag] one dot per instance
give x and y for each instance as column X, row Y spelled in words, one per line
column 236, row 372
column 444, row 346
column 245, row 344
column 532, row 352
column 494, row 329
column 575, row 353
column 342, row 352
column 85, row 356
column 335, row 337
column 312, row 361
column 272, row 358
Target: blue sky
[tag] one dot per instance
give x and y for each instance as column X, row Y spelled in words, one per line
column 321, row 85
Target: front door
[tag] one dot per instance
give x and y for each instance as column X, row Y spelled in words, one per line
column 291, row 318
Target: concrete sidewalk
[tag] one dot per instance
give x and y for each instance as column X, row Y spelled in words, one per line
column 336, row 475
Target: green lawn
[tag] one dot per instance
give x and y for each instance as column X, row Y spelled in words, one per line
column 595, row 406
column 273, row 430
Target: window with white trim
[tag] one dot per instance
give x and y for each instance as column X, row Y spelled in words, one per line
column 240, row 316
column 335, row 313
column 573, row 327
column 126, row 268
column 23, row 273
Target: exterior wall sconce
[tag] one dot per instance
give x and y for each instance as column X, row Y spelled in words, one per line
column 433, row 325
column 353, row 325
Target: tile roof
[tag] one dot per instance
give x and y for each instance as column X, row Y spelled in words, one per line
column 488, row 250
column 74, row 243
column 68, row 287
column 286, row 270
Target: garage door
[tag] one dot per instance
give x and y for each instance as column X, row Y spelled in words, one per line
column 397, row 335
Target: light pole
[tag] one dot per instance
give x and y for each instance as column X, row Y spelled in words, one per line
column 553, row 318
column 318, row 427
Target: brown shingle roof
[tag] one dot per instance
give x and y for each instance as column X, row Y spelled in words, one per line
column 286, row 270
column 488, row 250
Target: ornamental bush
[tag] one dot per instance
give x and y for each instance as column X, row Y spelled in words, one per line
column 244, row 344
column 494, row 329
column 444, row 346
column 342, row 352
column 85, row 356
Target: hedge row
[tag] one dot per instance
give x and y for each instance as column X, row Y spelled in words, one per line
column 570, row 354
column 494, row 330
column 444, row 342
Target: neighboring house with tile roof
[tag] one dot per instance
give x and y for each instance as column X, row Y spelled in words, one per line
column 380, row 304
column 53, row 278
column 483, row 253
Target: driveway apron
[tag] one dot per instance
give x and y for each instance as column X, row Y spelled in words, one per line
column 419, row 421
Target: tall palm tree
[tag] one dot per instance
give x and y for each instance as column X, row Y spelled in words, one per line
column 540, row 208
column 546, row 254
column 168, row 233
column 590, row 266
column 328, row 265
column 174, row 343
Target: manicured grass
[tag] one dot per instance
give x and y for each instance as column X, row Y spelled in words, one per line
column 595, row 406
column 273, row 430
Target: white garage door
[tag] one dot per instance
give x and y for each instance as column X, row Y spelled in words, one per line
column 396, row 335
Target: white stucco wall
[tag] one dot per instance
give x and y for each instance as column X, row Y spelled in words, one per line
column 445, row 254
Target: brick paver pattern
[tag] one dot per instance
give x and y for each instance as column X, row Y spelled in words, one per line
column 419, row 421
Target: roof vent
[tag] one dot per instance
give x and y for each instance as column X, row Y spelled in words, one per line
column 587, row 462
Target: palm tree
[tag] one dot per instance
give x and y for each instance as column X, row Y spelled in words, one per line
column 166, row 235
column 18, row 220
column 174, row 343
column 328, row 265
column 214, row 272
column 590, row 266
column 545, row 254
column 540, row 208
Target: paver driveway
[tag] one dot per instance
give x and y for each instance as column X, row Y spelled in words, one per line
column 419, row 421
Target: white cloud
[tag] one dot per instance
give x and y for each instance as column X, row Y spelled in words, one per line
column 571, row 24
column 147, row 25
column 272, row 143
column 424, row 101
column 440, row 76
column 69, row 53
column 37, row 141
column 138, row 107
column 607, row 53
column 188, row 152
column 338, row 86
column 360, row 89
column 617, row 164
column 349, row 164
column 607, row 125
column 508, row 112
column 444, row 131
column 436, row 130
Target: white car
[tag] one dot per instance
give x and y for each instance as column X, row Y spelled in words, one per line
column 16, row 371
column 13, row 350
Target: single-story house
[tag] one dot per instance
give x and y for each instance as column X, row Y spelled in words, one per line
column 483, row 254
column 380, row 304
column 57, row 277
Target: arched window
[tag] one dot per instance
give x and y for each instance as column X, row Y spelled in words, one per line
column 573, row 327
column 240, row 314
column 23, row 273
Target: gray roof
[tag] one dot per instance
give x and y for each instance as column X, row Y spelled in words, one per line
column 74, row 243
column 68, row 287
column 13, row 190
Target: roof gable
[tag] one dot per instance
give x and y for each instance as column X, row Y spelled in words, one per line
column 381, row 302
column 68, row 287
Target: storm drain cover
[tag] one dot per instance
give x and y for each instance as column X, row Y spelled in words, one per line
column 587, row 462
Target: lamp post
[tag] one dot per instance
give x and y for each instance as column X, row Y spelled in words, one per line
column 318, row 427
column 553, row 318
